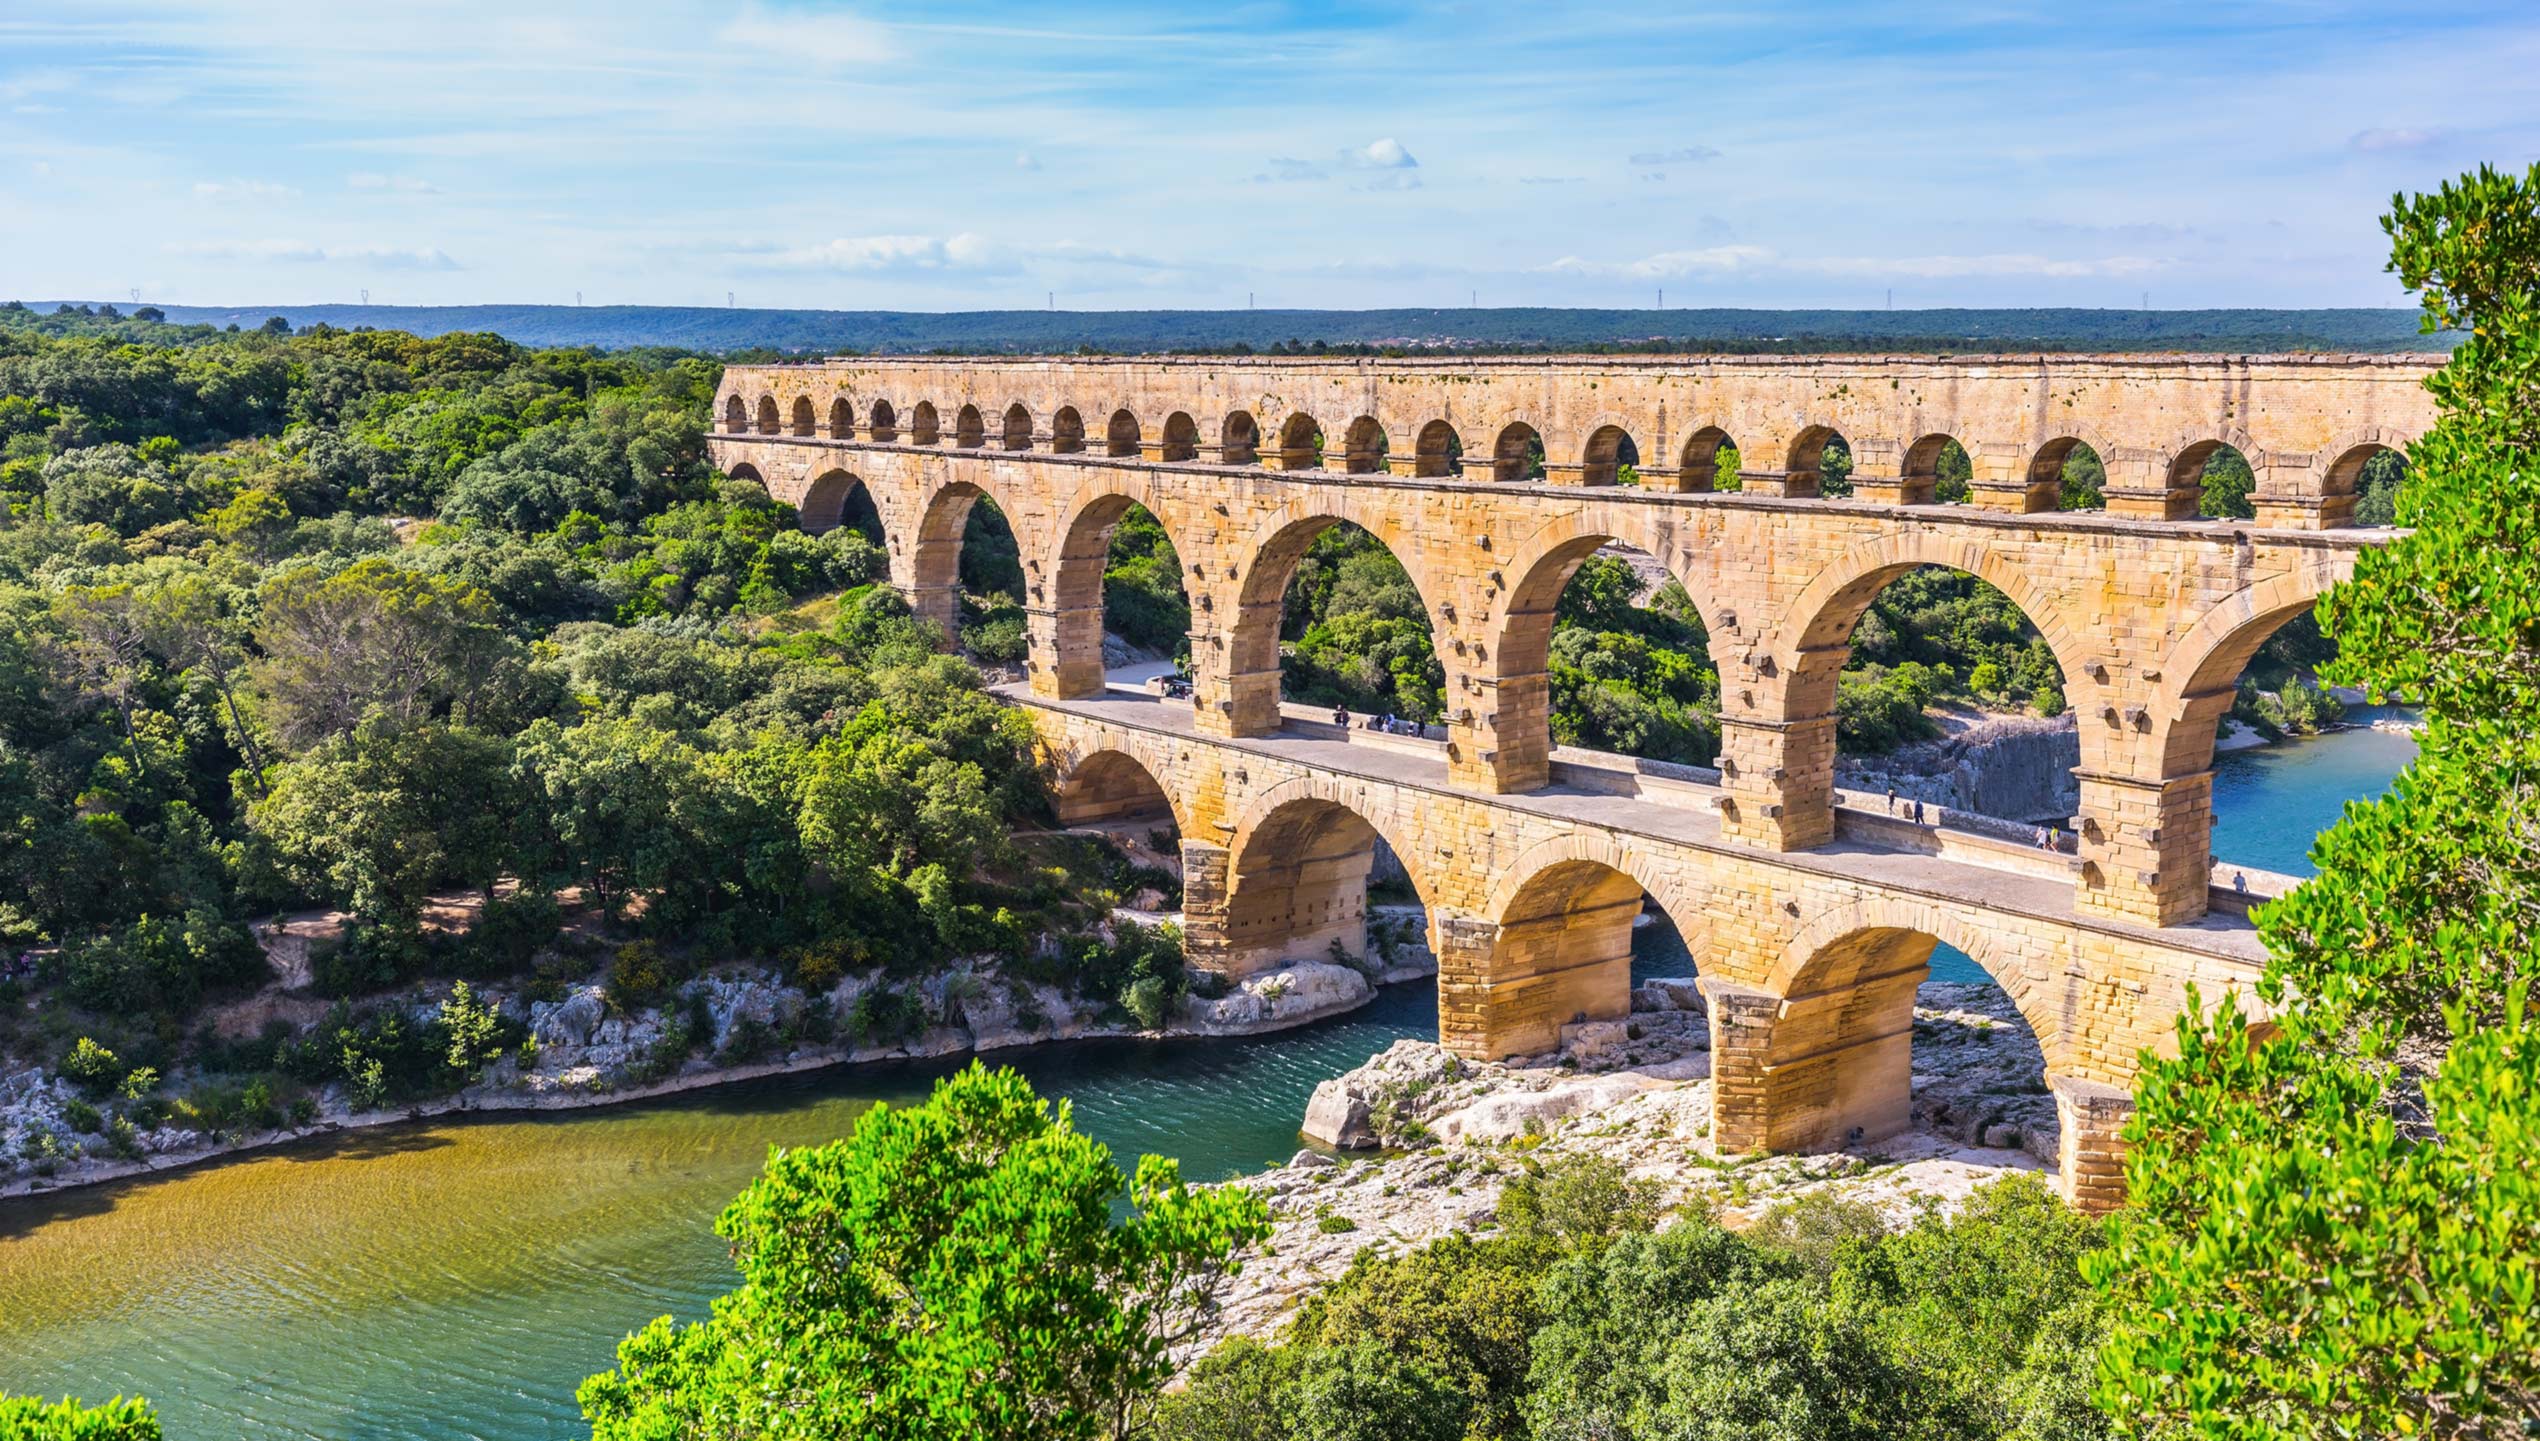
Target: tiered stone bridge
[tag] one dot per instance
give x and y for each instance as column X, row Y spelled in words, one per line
column 1811, row 924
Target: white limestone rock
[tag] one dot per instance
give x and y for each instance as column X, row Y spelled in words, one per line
column 1292, row 995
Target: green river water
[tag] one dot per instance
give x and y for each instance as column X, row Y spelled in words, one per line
column 458, row 1277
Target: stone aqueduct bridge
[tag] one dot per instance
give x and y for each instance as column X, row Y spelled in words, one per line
column 1810, row 924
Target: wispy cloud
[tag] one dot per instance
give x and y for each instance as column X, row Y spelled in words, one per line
column 401, row 184
column 242, row 190
column 1681, row 155
column 833, row 37
column 2402, row 138
column 297, row 252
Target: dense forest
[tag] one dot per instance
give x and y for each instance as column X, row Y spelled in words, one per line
column 1131, row 332
column 367, row 621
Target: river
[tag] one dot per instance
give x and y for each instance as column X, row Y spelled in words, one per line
column 458, row 1277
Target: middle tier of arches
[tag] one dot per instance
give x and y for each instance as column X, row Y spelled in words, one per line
column 2150, row 627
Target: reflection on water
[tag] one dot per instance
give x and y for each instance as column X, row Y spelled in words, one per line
column 459, row 1277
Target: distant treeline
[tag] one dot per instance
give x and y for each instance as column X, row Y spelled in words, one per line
column 737, row 333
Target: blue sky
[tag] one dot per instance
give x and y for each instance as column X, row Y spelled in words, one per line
column 1124, row 156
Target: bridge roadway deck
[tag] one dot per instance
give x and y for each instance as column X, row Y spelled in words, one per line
column 2030, row 890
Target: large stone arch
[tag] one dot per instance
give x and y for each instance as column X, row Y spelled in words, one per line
column 1686, row 906
column 1823, row 614
column 1821, row 1055
column 1518, row 654
column 1071, row 578
column 2203, row 669
column 824, row 503
column 1269, row 560
column 928, row 570
column 1297, row 865
column 1113, row 783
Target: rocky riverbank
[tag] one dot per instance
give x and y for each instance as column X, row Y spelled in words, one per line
column 1450, row 1132
column 737, row 1022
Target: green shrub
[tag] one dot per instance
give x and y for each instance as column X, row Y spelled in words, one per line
column 25, row 1418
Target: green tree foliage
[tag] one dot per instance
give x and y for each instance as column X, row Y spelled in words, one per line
column 2337, row 1230
column 2225, row 485
column 1357, row 631
column 1144, row 601
column 971, row 1267
column 26, row 1418
column 1581, row 1320
column 375, row 640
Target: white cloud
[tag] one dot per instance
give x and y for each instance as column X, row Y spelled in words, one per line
column 1681, row 155
column 402, row 184
column 831, row 38
column 1955, row 267
column 1385, row 154
column 2374, row 142
column 1026, row 160
column 1669, row 264
column 886, row 253
column 299, row 252
column 242, row 190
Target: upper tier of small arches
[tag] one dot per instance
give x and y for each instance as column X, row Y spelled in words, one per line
column 2306, row 451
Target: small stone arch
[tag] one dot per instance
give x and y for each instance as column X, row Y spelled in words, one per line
column 1067, row 431
column 1181, row 437
column 841, row 419
column 1363, row 446
column 768, row 422
column 746, row 471
column 736, row 415
column 1609, row 448
column 2186, row 465
column 1698, row 464
column 2046, row 464
column 1300, row 442
column 1803, row 470
column 805, row 422
column 1517, row 453
column 2338, row 474
column 1017, row 434
column 1121, row 436
column 1918, row 474
column 1239, row 439
column 923, row 426
column 1113, row 785
column 1439, row 451
column 970, row 429
column 886, row 423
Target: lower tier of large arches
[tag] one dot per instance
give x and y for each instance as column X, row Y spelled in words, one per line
column 1809, row 961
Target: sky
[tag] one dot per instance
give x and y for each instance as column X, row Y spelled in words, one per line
column 1127, row 156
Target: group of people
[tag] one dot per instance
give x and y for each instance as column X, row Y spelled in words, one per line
column 1389, row 723
column 2047, row 839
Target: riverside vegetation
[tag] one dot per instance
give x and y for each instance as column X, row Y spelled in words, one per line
column 408, row 627
column 2335, row 1228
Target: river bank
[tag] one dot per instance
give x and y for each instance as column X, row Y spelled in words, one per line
column 582, row 1053
column 1417, row 1143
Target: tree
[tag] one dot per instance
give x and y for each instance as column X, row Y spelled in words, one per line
column 2337, row 1232
column 378, row 818
column 951, row 1270
column 373, row 639
column 27, row 1418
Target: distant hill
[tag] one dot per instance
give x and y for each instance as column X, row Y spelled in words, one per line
column 826, row 332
